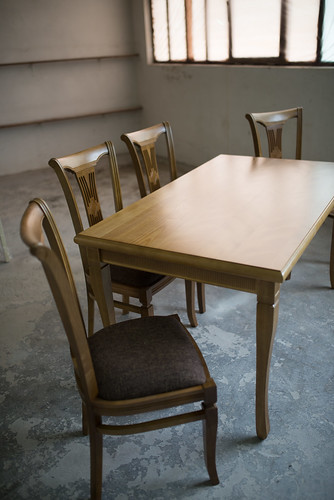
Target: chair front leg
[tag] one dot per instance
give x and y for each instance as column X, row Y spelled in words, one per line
column 91, row 310
column 331, row 265
column 96, row 444
column 145, row 299
column 210, row 424
column 147, row 311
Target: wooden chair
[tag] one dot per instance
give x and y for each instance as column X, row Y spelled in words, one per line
column 132, row 367
column 126, row 282
column 273, row 122
column 142, row 148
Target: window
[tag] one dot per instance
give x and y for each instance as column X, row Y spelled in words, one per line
column 282, row 32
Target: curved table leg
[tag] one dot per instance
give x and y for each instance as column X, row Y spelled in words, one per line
column 266, row 323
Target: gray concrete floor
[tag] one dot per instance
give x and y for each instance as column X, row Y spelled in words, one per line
column 44, row 456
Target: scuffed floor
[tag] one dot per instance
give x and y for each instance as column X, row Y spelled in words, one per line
column 43, row 454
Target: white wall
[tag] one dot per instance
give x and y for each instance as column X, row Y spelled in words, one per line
column 206, row 105
column 42, row 30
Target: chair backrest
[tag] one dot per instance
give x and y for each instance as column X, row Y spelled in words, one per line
column 273, row 121
column 82, row 165
column 36, row 218
column 142, row 148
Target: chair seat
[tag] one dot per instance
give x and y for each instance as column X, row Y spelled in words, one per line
column 145, row 356
column 134, row 277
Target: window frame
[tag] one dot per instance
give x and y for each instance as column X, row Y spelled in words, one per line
column 279, row 61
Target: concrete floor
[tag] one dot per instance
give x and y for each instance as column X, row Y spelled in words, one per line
column 44, row 456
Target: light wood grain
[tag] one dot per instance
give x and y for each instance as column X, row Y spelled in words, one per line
column 255, row 219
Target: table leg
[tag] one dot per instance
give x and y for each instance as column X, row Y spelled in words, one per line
column 101, row 285
column 266, row 323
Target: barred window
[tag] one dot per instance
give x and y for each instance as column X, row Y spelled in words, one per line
column 281, row 32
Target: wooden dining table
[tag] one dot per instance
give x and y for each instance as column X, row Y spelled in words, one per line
column 235, row 221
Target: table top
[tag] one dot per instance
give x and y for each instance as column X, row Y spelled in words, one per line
column 246, row 216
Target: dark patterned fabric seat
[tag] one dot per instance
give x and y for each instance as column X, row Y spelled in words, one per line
column 138, row 358
column 133, row 277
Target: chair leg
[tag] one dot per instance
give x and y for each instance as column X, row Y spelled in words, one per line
column 190, row 298
column 331, row 265
column 201, row 297
column 84, row 420
column 125, row 300
column 91, row 310
column 96, row 443
column 210, row 424
column 147, row 311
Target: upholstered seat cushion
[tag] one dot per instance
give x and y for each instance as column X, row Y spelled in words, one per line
column 133, row 277
column 145, row 356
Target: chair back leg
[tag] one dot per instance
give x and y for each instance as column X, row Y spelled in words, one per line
column 84, row 420
column 190, row 299
column 201, row 297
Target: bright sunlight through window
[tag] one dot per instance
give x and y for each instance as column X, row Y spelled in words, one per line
column 281, row 32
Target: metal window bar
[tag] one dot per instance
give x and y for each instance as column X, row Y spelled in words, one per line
column 320, row 29
column 189, row 28
column 168, row 30
column 282, row 48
